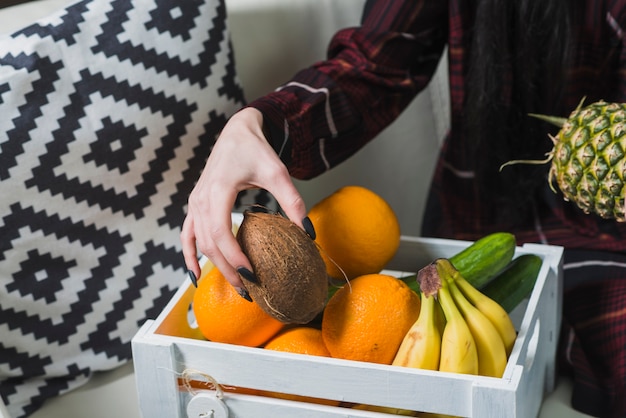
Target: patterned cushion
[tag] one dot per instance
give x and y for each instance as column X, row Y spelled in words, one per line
column 109, row 110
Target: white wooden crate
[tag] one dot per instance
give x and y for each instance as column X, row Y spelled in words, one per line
column 163, row 352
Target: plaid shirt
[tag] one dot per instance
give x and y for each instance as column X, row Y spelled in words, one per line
column 330, row 110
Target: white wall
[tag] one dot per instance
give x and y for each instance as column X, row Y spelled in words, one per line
column 274, row 38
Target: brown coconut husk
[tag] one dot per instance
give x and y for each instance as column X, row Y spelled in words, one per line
column 292, row 281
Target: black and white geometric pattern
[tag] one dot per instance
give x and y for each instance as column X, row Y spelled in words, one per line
column 109, row 109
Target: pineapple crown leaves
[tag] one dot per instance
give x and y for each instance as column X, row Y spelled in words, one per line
column 556, row 121
column 588, row 159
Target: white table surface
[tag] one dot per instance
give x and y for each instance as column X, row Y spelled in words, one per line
column 113, row 394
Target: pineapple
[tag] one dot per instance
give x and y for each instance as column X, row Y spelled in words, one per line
column 589, row 158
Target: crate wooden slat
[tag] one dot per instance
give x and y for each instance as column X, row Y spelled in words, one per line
column 162, row 353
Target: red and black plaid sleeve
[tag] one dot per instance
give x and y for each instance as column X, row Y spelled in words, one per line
column 330, row 110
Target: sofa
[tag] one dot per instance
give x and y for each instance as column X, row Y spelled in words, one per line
column 271, row 40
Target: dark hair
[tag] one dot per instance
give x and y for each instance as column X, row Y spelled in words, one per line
column 519, row 55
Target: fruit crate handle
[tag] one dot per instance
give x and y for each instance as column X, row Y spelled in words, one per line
column 206, row 404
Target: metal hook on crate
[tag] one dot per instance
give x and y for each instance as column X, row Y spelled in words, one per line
column 205, row 404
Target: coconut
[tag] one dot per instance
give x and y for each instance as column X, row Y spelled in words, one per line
column 292, row 284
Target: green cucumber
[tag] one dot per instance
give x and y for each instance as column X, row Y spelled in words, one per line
column 478, row 263
column 516, row 282
column 484, row 258
column 481, row 261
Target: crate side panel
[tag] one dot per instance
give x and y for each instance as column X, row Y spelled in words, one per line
column 540, row 339
column 490, row 402
column 549, row 307
column 157, row 387
column 334, row 379
column 255, row 406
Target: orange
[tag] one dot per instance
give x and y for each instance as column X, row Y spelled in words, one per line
column 300, row 339
column 224, row 316
column 356, row 230
column 367, row 319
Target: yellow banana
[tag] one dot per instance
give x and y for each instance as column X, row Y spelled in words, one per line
column 421, row 346
column 492, row 310
column 440, row 318
column 458, row 348
column 492, row 356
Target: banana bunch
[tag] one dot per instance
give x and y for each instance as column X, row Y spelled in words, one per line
column 459, row 329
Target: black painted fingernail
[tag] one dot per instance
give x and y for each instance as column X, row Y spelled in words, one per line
column 247, row 274
column 244, row 294
column 308, row 227
column 192, row 277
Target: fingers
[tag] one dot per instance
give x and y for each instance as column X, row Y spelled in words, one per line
column 290, row 200
column 188, row 242
column 211, row 233
column 240, row 159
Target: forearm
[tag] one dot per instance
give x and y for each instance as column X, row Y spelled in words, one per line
column 330, row 110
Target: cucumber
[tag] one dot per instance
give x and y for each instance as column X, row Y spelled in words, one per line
column 481, row 261
column 484, row 258
column 478, row 263
column 515, row 282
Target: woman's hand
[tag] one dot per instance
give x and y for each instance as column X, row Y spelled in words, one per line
column 241, row 159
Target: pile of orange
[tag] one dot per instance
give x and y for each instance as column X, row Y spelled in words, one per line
column 357, row 231
column 366, row 320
